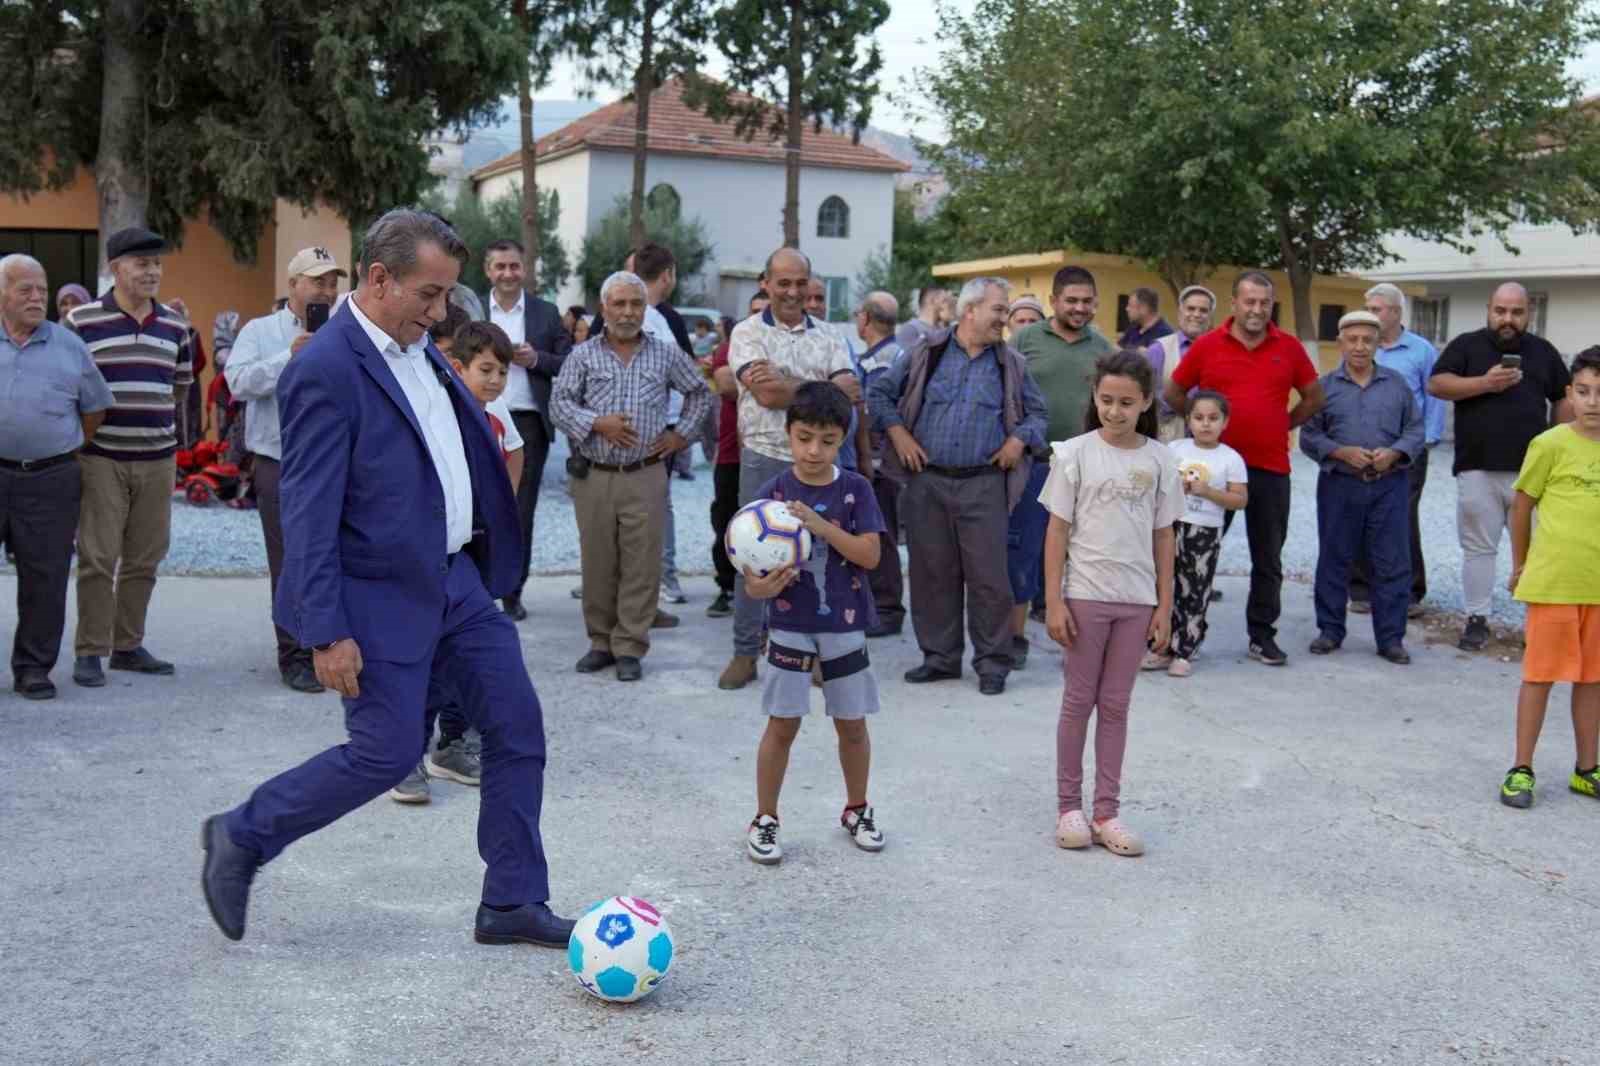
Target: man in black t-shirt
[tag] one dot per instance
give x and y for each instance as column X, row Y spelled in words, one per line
column 1504, row 382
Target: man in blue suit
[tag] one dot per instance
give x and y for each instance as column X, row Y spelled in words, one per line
column 399, row 528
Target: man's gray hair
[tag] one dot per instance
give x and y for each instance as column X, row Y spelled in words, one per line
column 1387, row 291
column 972, row 292
column 623, row 277
column 881, row 308
column 786, row 250
column 16, row 261
column 394, row 239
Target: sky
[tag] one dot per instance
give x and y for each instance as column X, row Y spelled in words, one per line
column 909, row 39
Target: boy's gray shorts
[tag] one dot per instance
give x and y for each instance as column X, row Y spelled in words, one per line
column 849, row 689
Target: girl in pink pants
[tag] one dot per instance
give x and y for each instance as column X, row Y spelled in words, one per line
column 1113, row 495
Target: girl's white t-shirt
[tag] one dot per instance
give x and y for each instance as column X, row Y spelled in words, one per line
column 1216, row 467
column 1114, row 499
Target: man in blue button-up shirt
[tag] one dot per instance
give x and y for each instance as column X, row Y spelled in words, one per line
column 1412, row 357
column 52, row 398
column 1365, row 437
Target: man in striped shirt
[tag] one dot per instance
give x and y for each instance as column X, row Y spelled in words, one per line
column 142, row 349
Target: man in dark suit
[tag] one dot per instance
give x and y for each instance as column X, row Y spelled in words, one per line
column 399, row 526
column 540, row 344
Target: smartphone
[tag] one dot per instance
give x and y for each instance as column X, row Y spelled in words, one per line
column 1511, row 361
column 316, row 316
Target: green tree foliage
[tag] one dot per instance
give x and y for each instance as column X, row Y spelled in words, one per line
column 607, row 244
column 805, row 53
column 1271, row 132
column 226, row 105
column 640, row 44
column 480, row 223
column 919, row 245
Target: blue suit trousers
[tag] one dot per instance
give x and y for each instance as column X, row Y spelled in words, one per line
column 1371, row 519
column 478, row 652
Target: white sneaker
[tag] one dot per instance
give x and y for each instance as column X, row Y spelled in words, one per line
column 761, row 842
column 672, row 592
column 863, row 830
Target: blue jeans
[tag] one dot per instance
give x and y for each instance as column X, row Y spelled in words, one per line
column 1025, row 538
column 1370, row 518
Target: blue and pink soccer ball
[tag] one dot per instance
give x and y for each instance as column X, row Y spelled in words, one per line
column 620, row 949
column 763, row 536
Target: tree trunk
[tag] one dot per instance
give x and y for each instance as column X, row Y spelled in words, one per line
column 1299, row 263
column 792, row 125
column 643, row 86
column 530, row 183
column 121, row 182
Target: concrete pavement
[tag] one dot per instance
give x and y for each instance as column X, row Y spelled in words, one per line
column 1330, row 878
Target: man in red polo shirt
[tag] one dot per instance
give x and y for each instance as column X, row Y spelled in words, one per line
column 1256, row 365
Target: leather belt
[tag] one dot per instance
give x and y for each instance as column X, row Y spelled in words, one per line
column 625, row 468
column 960, row 471
column 27, row 465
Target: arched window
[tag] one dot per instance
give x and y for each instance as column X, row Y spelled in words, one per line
column 833, row 218
column 664, row 199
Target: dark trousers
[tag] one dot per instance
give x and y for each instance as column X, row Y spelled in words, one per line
column 479, row 653
column 724, row 505
column 888, row 586
column 1266, row 524
column 38, row 517
column 1363, row 516
column 956, row 528
column 1360, row 575
column 535, row 450
column 267, row 472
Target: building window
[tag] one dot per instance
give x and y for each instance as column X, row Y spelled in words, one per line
column 838, row 298
column 1538, row 311
column 1328, row 316
column 1430, row 318
column 67, row 255
column 664, row 199
column 833, row 218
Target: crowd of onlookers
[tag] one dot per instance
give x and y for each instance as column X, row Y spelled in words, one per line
column 1030, row 465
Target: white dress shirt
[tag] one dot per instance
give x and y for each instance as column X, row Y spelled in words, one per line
column 518, row 394
column 431, row 405
column 656, row 325
column 259, row 355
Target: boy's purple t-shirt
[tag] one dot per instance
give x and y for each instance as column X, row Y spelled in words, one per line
column 842, row 601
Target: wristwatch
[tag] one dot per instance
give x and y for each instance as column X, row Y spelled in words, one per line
column 328, row 646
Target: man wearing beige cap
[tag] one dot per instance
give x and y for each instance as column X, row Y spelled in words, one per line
column 1365, row 437
column 260, row 354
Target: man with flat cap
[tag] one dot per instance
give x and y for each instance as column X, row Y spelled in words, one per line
column 143, row 350
column 1365, row 438
column 261, row 352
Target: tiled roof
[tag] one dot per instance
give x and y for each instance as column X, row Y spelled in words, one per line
column 677, row 129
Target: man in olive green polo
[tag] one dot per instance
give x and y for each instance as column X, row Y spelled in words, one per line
column 1061, row 352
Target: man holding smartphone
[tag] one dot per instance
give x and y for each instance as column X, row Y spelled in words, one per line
column 1506, row 384
column 260, row 354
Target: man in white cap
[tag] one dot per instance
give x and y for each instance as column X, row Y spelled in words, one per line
column 260, row 354
column 1365, row 438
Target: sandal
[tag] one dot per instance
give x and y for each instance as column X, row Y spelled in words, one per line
column 1116, row 838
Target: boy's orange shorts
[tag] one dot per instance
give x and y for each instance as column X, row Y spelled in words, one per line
column 1563, row 643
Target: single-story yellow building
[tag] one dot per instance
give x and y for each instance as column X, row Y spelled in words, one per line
column 1116, row 276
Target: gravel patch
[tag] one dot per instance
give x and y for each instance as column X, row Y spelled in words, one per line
column 217, row 540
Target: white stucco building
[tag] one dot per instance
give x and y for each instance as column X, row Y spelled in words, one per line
column 735, row 187
column 1560, row 269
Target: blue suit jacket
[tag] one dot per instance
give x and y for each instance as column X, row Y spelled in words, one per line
column 362, row 506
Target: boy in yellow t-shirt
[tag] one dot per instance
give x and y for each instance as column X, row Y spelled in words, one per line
column 1559, row 580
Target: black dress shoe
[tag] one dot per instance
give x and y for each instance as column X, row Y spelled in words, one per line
column 921, row 675
column 531, row 923
column 513, row 606
column 302, row 678
column 140, row 662
column 225, row 878
column 86, row 671
column 1396, row 653
column 991, row 684
column 663, row 620
column 34, row 685
column 594, row 660
column 628, row 668
column 884, row 629
column 1324, row 645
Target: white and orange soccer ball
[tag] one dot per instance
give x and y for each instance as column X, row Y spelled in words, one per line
column 764, row 536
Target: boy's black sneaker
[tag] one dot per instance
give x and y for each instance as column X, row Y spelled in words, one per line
column 1266, row 651
column 1476, row 636
column 721, row 607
